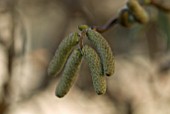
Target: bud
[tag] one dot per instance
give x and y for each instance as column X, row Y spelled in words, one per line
column 83, row 27
column 69, row 74
column 103, row 50
column 62, row 53
column 94, row 64
column 126, row 18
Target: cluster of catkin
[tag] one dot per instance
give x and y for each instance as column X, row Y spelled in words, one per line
column 133, row 13
column 69, row 56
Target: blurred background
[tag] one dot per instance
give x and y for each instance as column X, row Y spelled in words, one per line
column 30, row 32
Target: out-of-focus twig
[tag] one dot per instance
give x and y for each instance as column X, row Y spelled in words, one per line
column 113, row 21
column 160, row 6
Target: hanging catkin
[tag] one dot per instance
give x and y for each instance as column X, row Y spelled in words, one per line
column 62, row 53
column 94, row 63
column 69, row 74
column 104, row 51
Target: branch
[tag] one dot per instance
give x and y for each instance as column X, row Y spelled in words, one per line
column 112, row 22
column 160, row 6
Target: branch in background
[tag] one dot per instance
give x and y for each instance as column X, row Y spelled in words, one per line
column 112, row 22
column 127, row 18
column 160, row 6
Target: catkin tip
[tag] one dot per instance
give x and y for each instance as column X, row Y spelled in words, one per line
column 100, row 93
column 59, row 96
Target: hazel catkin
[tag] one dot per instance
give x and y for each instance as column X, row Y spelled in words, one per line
column 94, row 64
column 69, row 74
column 138, row 11
column 62, row 53
column 103, row 50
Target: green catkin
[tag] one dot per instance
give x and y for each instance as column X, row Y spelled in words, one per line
column 139, row 13
column 103, row 50
column 62, row 53
column 69, row 74
column 126, row 18
column 95, row 66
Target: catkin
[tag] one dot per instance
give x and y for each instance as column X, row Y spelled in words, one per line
column 126, row 18
column 94, row 64
column 139, row 13
column 69, row 74
column 103, row 50
column 62, row 53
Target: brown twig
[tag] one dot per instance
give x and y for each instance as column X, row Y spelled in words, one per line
column 160, row 6
column 113, row 21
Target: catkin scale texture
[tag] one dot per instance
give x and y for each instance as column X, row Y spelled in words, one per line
column 62, row 53
column 103, row 50
column 69, row 74
column 139, row 13
column 95, row 66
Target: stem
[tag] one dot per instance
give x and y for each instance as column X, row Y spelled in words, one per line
column 159, row 6
column 113, row 21
column 82, row 35
column 105, row 27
